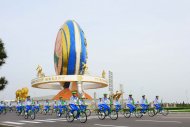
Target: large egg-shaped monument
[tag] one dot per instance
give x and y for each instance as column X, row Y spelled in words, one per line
column 70, row 52
column 70, row 62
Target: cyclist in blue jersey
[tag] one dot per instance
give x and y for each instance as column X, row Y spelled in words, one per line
column 2, row 105
column 55, row 105
column 74, row 103
column 105, row 103
column 157, row 103
column 19, row 106
column 46, row 105
column 117, row 104
column 130, row 103
column 82, row 104
column 37, row 106
column 81, row 101
column 144, row 104
column 100, row 103
column 28, row 104
column 61, row 105
column 10, row 107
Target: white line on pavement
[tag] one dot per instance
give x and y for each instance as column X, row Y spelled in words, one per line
column 178, row 117
column 158, row 121
column 16, row 123
column 60, row 120
column 92, row 117
column 23, row 121
column 168, row 121
column 45, row 121
column 9, row 125
column 57, row 119
column 109, row 125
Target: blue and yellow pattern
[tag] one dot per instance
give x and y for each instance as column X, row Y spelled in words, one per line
column 70, row 49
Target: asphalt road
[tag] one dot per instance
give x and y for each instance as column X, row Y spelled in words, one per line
column 172, row 120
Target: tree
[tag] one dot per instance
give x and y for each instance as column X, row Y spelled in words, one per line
column 3, row 56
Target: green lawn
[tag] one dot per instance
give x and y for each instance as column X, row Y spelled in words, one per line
column 181, row 110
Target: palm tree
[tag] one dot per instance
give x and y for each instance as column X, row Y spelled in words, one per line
column 3, row 56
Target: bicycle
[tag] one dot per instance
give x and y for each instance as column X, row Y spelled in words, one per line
column 76, row 114
column 37, row 109
column 19, row 110
column 47, row 110
column 31, row 113
column 84, row 108
column 55, row 109
column 104, row 110
column 10, row 109
column 148, row 110
column 3, row 110
column 61, row 111
column 159, row 109
column 132, row 110
column 119, row 109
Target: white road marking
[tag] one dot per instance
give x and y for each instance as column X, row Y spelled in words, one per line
column 146, row 120
column 178, row 117
column 158, row 121
column 45, row 121
column 16, row 123
column 109, row 125
column 9, row 125
column 23, row 121
column 60, row 119
column 92, row 117
column 57, row 119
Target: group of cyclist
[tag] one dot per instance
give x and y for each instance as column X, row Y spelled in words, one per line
column 3, row 107
column 105, row 103
column 76, row 107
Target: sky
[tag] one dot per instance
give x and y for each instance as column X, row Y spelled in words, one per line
column 144, row 43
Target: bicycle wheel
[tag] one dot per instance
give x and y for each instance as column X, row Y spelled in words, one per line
column 64, row 113
column 101, row 115
column 37, row 111
column 165, row 112
column 127, row 114
column 114, row 115
column 69, row 117
column 26, row 115
column 156, row 112
column 151, row 112
column 138, row 114
column 75, row 114
column 44, row 112
column 32, row 115
column 4, row 111
column 41, row 111
column 88, row 112
column 83, row 117
column 18, row 113
column 53, row 111
column 50, row 111
column 121, row 112
column 58, row 114
column 107, row 113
